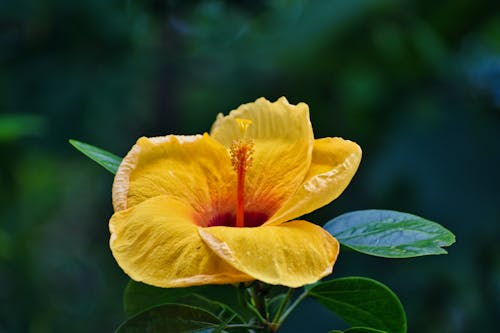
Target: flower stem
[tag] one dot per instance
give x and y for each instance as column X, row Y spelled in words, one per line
column 258, row 293
column 259, row 300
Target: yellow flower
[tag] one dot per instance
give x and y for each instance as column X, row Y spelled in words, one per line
column 217, row 209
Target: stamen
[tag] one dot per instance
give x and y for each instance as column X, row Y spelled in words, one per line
column 241, row 157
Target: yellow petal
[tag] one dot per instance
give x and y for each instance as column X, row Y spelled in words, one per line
column 333, row 165
column 291, row 254
column 194, row 169
column 157, row 242
column 283, row 140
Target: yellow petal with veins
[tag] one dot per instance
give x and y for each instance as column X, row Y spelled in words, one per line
column 193, row 169
column 282, row 146
column 292, row 254
column 333, row 165
column 157, row 242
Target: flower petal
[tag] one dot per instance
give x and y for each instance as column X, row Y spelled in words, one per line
column 291, row 254
column 283, row 140
column 334, row 163
column 157, row 242
column 192, row 169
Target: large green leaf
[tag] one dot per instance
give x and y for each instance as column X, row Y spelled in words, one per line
column 109, row 161
column 362, row 302
column 389, row 234
column 222, row 300
column 138, row 296
column 171, row 318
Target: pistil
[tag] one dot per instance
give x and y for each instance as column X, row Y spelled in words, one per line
column 241, row 157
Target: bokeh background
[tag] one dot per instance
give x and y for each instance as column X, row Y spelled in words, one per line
column 415, row 83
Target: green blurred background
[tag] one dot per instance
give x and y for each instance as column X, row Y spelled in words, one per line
column 415, row 83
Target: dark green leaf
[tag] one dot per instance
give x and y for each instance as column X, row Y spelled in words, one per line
column 389, row 234
column 228, row 295
column 171, row 318
column 221, row 310
column 138, row 296
column 221, row 300
column 109, row 161
column 362, row 302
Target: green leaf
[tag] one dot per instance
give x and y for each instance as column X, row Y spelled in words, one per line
column 138, row 296
column 389, row 234
column 228, row 296
column 171, row 318
column 362, row 302
column 221, row 300
column 109, row 161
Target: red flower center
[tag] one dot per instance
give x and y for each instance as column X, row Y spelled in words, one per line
column 252, row 219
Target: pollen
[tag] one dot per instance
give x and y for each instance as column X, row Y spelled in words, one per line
column 241, row 157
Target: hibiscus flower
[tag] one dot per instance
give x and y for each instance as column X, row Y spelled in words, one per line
column 219, row 208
